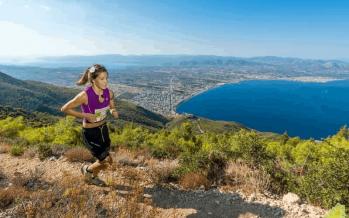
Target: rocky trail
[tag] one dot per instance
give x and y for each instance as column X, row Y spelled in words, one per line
column 170, row 200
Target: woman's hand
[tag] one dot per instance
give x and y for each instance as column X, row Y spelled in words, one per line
column 115, row 114
column 90, row 117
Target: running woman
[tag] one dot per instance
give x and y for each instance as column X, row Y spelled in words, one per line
column 95, row 100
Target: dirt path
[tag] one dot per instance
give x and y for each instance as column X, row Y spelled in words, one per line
column 170, row 201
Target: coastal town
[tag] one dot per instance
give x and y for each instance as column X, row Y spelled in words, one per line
column 162, row 89
column 162, row 86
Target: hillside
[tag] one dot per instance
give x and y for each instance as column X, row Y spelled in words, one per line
column 33, row 96
column 130, row 112
column 202, row 125
column 34, row 119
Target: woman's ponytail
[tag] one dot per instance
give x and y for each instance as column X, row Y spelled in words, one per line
column 91, row 73
column 84, row 78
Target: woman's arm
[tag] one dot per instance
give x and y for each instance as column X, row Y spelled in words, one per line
column 79, row 99
column 112, row 105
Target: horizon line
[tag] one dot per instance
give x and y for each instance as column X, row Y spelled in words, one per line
column 170, row 55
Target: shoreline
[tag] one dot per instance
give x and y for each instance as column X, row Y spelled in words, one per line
column 206, row 89
column 305, row 79
column 198, row 93
column 309, row 79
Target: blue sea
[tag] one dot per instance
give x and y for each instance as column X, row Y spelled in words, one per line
column 304, row 109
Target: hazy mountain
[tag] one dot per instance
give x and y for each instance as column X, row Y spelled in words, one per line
column 120, row 61
column 110, row 61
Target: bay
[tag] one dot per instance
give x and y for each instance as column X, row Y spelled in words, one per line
column 304, row 109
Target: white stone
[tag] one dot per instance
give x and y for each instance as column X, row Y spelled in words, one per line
column 291, row 198
column 147, row 196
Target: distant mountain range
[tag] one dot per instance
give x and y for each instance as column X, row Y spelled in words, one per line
column 119, row 61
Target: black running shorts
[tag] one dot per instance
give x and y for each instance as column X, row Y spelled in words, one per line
column 97, row 141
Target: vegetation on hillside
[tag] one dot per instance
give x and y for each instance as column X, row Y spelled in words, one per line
column 316, row 170
column 45, row 99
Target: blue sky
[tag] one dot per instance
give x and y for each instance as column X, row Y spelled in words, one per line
column 245, row 28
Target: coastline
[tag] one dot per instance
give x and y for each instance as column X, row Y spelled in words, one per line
column 310, row 79
column 306, row 79
column 200, row 92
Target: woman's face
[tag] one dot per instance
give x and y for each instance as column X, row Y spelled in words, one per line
column 101, row 81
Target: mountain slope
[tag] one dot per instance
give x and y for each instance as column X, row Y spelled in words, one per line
column 34, row 119
column 33, row 96
column 202, row 125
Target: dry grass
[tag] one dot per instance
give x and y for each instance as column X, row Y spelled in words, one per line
column 30, row 153
column 129, row 158
column 134, row 204
column 79, row 154
column 240, row 176
column 194, row 180
column 131, row 205
column 131, row 175
column 2, row 175
column 162, row 171
column 143, row 154
column 58, row 150
column 8, row 196
column 4, row 147
column 216, row 168
column 30, row 181
column 69, row 196
column 12, row 194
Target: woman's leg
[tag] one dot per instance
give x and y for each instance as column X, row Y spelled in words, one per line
column 97, row 166
column 99, row 147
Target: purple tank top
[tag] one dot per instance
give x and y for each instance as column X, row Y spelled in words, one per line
column 94, row 106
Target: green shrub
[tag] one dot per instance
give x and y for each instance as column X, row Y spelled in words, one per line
column 10, row 126
column 326, row 182
column 191, row 163
column 38, row 135
column 44, row 150
column 65, row 132
column 247, row 145
column 17, row 150
column 336, row 212
column 130, row 136
column 164, row 144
